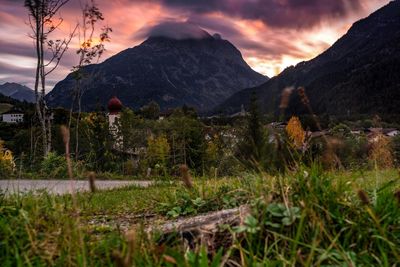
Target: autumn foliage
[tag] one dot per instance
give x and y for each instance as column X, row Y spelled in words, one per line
column 296, row 132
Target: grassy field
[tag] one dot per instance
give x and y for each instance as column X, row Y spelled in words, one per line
column 4, row 107
column 306, row 218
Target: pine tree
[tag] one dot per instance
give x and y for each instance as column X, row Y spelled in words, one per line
column 253, row 140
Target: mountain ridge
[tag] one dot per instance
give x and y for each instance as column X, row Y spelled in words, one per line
column 358, row 74
column 195, row 72
column 17, row 91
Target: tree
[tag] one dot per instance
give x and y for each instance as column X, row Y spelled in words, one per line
column 296, row 132
column 88, row 51
column 158, row 152
column 131, row 130
column 151, row 111
column 253, row 139
column 43, row 22
column 186, row 137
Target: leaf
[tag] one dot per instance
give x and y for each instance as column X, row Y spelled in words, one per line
column 275, row 225
column 217, row 258
column 287, row 221
column 276, row 210
column 239, row 229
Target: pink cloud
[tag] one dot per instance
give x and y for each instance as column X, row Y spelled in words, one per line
column 271, row 34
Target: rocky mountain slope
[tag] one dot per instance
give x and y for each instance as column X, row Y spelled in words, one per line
column 198, row 72
column 359, row 74
column 18, row 92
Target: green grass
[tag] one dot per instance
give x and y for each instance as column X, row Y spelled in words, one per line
column 306, row 218
column 4, row 107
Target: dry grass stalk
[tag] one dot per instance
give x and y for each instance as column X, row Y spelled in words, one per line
column 285, row 97
column 92, row 181
column 363, row 196
column 329, row 157
column 303, row 97
column 380, row 152
column 119, row 258
column 397, row 195
column 169, row 259
column 330, row 154
column 66, row 137
column 186, row 177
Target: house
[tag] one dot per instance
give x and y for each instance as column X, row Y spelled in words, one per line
column 13, row 116
column 391, row 132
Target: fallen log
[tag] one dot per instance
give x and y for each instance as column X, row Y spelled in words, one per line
column 203, row 229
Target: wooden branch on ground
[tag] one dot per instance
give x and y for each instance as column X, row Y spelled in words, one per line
column 204, row 229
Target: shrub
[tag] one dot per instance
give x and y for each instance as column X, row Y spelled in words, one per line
column 54, row 166
column 7, row 164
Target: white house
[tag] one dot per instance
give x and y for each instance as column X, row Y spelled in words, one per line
column 13, row 116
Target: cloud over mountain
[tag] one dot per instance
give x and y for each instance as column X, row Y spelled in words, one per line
column 274, row 13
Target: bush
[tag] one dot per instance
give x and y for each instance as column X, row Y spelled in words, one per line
column 7, row 164
column 54, row 166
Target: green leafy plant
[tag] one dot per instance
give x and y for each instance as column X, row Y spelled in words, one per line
column 185, row 206
column 54, row 166
column 278, row 214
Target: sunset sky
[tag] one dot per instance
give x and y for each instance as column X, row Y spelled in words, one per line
column 271, row 34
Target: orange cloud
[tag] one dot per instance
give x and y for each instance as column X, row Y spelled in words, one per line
column 269, row 45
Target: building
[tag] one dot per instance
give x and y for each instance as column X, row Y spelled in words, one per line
column 114, row 108
column 13, row 116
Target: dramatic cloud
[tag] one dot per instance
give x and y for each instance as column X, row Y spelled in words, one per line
column 174, row 30
column 271, row 34
column 274, row 13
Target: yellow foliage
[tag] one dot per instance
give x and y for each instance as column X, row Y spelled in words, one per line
column 158, row 149
column 296, row 132
column 6, row 157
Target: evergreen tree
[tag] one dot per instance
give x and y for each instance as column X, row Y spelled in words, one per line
column 253, row 140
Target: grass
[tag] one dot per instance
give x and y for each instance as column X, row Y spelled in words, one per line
column 305, row 218
column 4, row 107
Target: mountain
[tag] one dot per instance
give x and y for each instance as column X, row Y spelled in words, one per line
column 18, row 92
column 359, row 74
column 7, row 103
column 200, row 72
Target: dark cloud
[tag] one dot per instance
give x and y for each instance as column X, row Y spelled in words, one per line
column 214, row 25
column 20, row 49
column 274, row 13
column 173, row 29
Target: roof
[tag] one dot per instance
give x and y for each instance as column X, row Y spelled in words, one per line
column 114, row 105
column 13, row 111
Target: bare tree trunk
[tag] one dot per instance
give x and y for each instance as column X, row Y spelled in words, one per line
column 78, row 121
column 41, row 15
column 38, row 75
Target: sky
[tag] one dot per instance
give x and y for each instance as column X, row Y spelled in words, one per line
column 271, row 34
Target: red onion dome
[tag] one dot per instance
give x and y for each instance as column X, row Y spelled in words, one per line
column 114, row 105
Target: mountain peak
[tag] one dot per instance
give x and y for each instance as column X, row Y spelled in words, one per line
column 358, row 74
column 179, row 64
column 178, row 31
column 17, row 91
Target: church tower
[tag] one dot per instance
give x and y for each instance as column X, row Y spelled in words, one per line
column 114, row 109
